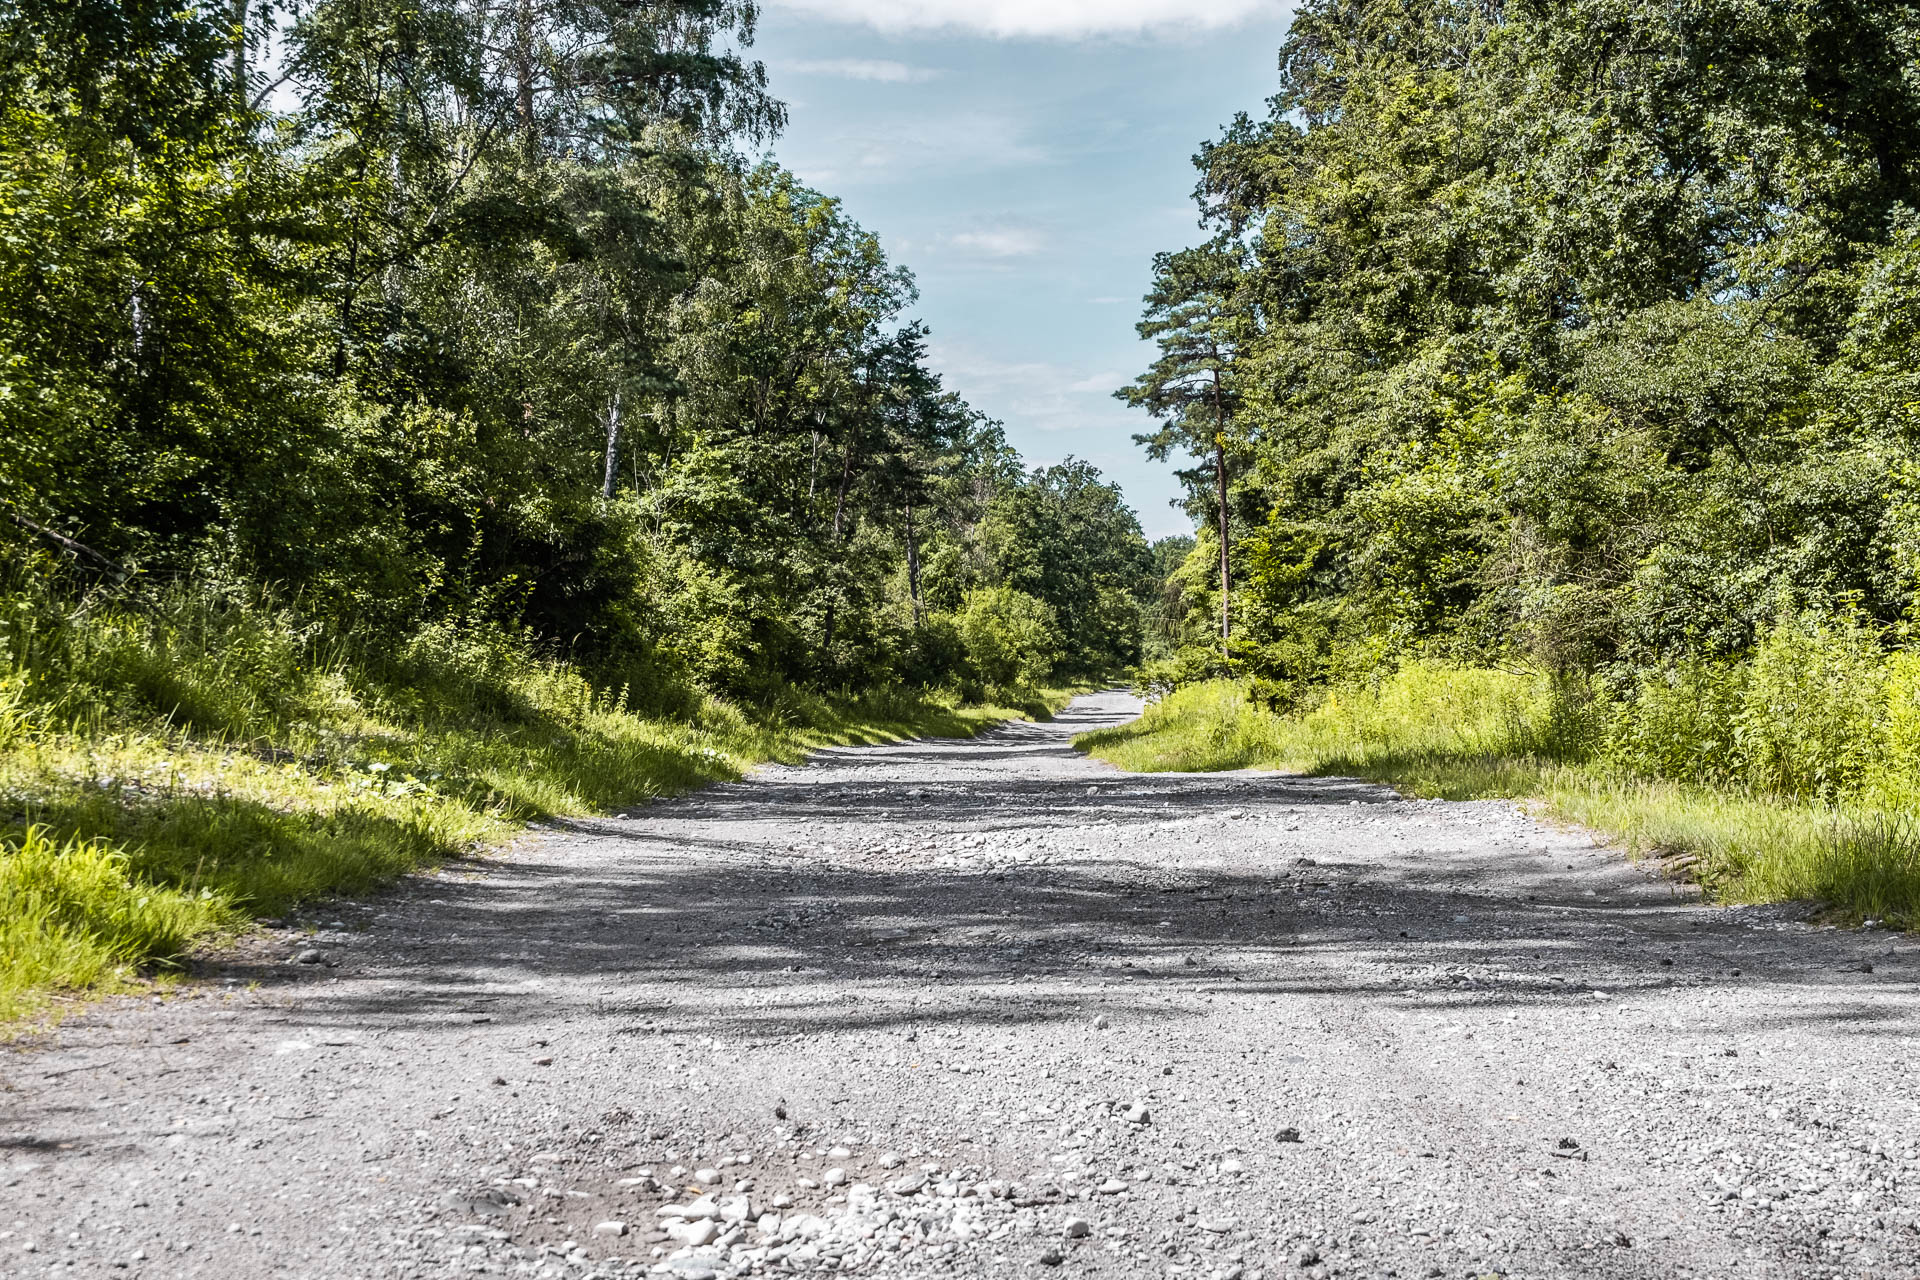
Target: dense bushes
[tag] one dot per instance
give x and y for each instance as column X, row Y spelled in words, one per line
column 1510, row 346
column 1817, row 711
column 1012, row 639
column 1820, row 711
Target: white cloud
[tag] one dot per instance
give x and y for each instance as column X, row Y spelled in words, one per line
column 1000, row 242
column 902, row 148
column 1007, row 18
column 1041, row 395
column 880, row 70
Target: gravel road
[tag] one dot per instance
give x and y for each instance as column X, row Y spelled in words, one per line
column 990, row 1008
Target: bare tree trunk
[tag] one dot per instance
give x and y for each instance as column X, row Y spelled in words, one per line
column 1220, row 478
column 240, row 51
column 613, row 448
column 913, row 568
column 523, row 72
column 840, row 502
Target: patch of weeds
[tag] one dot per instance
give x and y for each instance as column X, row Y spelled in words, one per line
column 1434, row 733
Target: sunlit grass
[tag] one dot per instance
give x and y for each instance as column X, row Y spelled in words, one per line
column 208, row 778
column 74, row 915
column 1431, row 732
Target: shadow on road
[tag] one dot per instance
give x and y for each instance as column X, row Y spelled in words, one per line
column 687, row 901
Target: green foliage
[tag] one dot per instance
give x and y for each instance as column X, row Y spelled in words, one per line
column 1574, row 339
column 495, row 330
column 1809, row 714
column 1566, row 334
column 1790, row 775
column 1681, row 721
column 1813, row 719
column 1012, row 639
column 182, row 762
column 74, row 916
column 1065, row 538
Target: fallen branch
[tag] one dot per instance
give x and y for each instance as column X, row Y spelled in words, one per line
column 72, row 546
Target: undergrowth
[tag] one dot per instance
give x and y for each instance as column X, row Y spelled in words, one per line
column 1794, row 776
column 169, row 773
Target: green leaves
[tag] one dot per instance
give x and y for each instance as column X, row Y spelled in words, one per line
column 486, row 320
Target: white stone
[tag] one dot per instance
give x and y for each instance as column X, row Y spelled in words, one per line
column 1078, row 1228
column 695, row 1234
column 609, row 1228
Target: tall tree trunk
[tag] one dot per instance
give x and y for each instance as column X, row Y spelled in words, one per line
column 1226, row 576
column 1220, row 479
column 613, row 448
column 240, row 51
column 913, row 568
column 523, row 73
column 840, row 501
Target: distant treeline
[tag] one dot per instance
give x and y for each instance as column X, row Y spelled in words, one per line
column 422, row 313
column 1578, row 334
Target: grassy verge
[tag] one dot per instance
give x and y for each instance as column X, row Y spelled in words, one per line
column 160, row 788
column 1466, row 735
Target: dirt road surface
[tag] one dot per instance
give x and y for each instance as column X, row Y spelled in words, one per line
column 989, row 1008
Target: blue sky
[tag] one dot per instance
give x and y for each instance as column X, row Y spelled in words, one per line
column 1026, row 158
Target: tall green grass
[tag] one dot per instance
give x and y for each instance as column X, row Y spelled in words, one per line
column 1794, row 775
column 174, row 766
column 73, row 915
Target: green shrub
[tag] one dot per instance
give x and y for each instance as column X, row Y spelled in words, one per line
column 1679, row 722
column 1811, row 718
column 1011, row 638
column 1898, row 772
column 1806, row 714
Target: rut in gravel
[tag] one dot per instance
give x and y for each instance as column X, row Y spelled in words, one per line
column 990, row 1008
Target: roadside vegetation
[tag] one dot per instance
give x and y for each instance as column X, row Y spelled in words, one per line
column 1792, row 775
column 173, row 772
column 415, row 419
column 1575, row 341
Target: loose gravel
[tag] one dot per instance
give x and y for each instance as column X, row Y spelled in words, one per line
column 989, row 1008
